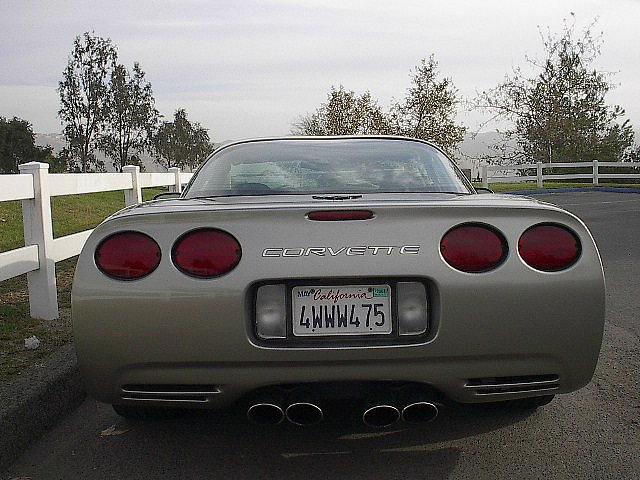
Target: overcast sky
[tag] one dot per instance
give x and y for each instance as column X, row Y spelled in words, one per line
column 249, row 68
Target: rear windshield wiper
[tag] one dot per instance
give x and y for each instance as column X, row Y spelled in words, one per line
column 213, row 198
column 336, row 197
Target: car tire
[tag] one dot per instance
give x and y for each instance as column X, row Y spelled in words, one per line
column 530, row 403
column 145, row 413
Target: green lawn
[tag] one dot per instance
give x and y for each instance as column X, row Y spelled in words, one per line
column 71, row 214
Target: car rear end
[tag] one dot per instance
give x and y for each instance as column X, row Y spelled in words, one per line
column 473, row 298
column 174, row 329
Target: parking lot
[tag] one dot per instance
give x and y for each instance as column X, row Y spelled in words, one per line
column 592, row 433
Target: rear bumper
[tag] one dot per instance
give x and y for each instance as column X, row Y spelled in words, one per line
column 217, row 385
column 139, row 341
column 173, row 342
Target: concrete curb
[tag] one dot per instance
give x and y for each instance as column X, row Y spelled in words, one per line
column 36, row 400
column 546, row 191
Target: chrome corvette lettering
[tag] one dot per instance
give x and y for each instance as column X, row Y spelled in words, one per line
column 351, row 251
column 292, row 252
column 410, row 250
column 388, row 249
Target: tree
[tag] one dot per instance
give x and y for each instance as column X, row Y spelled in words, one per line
column 84, row 98
column 181, row 143
column 130, row 118
column 427, row 112
column 57, row 163
column 344, row 113
column 429, row 108
column 17, row 145
column 559, row 114
column 632, row 155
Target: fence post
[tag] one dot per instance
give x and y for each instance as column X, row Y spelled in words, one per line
column 595, row 172
column 38, row 230
column 539, row 173
column 485, row 176
column 177, row 188
column 133, row 196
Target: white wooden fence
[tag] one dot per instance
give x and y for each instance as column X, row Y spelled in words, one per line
column 489, row 172
column 35, row 186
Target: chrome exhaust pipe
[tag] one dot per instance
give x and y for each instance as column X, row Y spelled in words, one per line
column 380, row 416
column 265, row 414
column 304, row 413
column 420, row 412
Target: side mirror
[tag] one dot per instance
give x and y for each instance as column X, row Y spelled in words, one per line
column 483, row 190
column 167, row 195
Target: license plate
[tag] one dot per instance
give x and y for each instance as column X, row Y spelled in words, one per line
column 341, row 310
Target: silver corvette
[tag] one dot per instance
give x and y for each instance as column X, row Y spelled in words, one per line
column 295, row 272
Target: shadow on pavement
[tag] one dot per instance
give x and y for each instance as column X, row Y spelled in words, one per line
column 340, row 444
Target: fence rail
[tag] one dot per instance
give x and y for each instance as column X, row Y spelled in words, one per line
column 594, row 176
column 35, row 186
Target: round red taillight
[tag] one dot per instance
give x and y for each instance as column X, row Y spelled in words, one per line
column 128, row 255
column 549, row 247
column 206, row 253
column 473, row 248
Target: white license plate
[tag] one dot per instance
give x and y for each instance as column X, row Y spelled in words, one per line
column 341, row 310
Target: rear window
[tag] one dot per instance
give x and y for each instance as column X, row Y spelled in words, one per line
column 326, row 166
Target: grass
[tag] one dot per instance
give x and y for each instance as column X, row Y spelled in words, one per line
column 71, row 214
column 16, row 324
column 513, row 187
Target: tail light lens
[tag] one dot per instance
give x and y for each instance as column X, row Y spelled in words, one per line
column 549, row 247
column 206, row 253
column 128, row 255
column 473, row 248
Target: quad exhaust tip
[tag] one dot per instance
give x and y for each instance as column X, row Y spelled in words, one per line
column 307, row 413
column 380, row 416
column 304, row 413
column 420, row 412
column 265, row 414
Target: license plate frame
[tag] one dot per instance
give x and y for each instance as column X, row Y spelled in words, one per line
column 362, row 321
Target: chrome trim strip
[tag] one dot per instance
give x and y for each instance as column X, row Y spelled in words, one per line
column 168, row 400
column 541, row 383
column 171, row 393
column 532, row 390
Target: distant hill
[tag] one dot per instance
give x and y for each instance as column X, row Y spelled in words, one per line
column 471, row 149
column 57, row 142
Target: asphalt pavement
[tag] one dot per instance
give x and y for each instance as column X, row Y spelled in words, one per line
column 590, row 434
